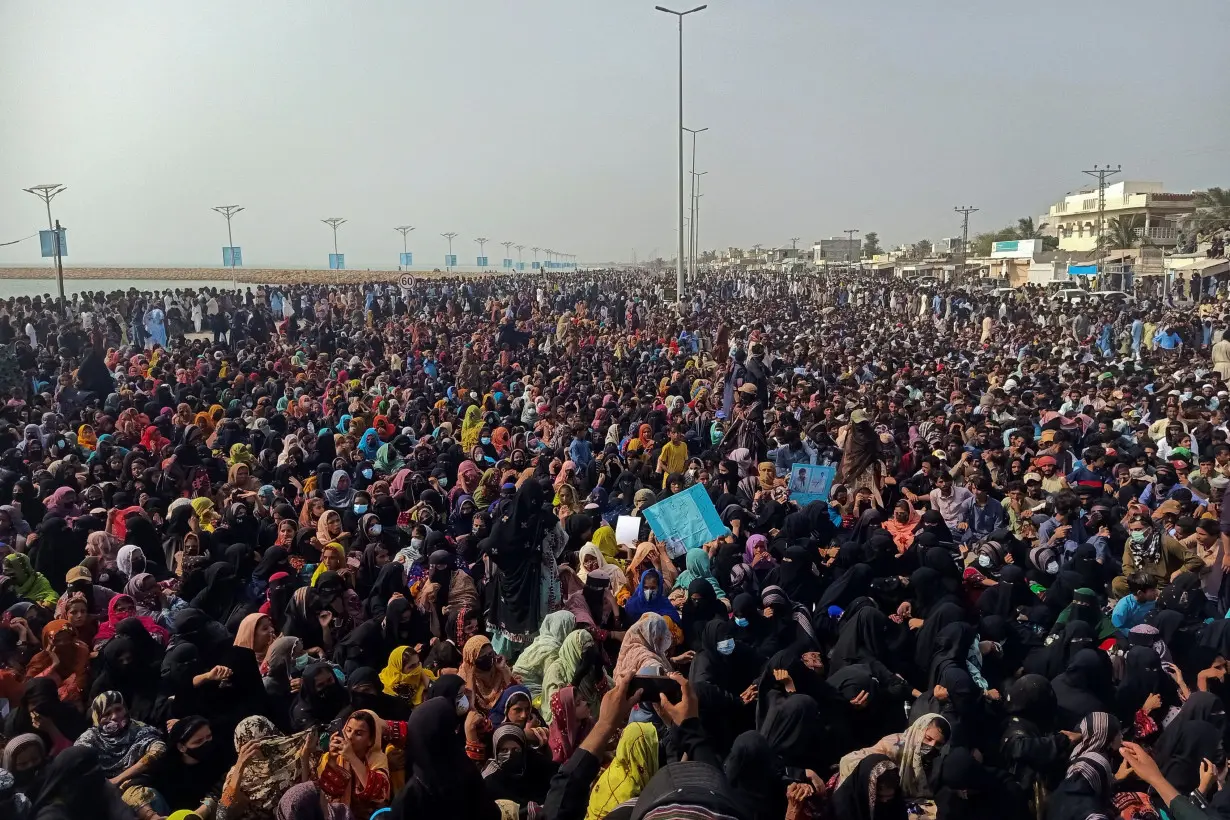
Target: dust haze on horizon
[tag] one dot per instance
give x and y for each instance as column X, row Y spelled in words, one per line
column 552, row 122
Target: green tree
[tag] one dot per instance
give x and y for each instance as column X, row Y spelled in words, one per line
column 871, row 244
column 1121, row 232
column 1213, row 210
column 1025, row 228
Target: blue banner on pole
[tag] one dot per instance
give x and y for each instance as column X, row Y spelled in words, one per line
column 482, row 262
column 1083, row 270
column 520, row 266
column 232, row 257
column 537, row 265
column 47, row 240
column 450, row 260
column 407, row 259
column 508, row 263
column 337, row 261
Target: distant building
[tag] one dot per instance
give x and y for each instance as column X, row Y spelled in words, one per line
column 1074, row 219
column 837, row 249
column 946, row 246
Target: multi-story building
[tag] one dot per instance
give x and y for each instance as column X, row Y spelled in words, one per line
column 1074, row 219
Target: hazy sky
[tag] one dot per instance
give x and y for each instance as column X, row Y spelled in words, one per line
column 552, row 122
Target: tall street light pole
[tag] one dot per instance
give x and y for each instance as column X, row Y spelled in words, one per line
column 679, row 259
column 48, row 193
column 692, row 237
column 519, row 262
column 333, row 222
column 229, row 211
column 482, row 242
column 507, row 252
column 449, row 236
column 535, row 249
column 965, row 211
column 695, row 216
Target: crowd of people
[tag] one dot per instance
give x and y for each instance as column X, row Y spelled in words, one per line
column 350, row 552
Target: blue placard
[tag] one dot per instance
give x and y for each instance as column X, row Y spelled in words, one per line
column 450, row 260
column 508, row 263
column 47, row 240
column 1083, row 270
column 537, row 265
column 520, row 266
column 407, row 259
column 481, row 262
column 232, row 257
column 685, row 520
column 810, row 482
column 337, row 261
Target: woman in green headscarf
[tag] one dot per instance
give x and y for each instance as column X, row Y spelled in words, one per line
column 696, row 565
column 388, row 459
column 578, row 652
column 241, row 454
column 33, row 586
column 488, row 489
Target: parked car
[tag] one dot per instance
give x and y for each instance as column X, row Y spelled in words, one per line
column 1115, row 296
column 1071, row 295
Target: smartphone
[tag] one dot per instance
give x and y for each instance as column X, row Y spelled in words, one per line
column 653, row 685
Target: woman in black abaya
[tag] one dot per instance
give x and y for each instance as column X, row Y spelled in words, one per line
column 1086, row 686
column 518, row 528
column 442, row 781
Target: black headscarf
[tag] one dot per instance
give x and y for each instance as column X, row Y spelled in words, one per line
column 794, row 730
column 314, row 707
column 861, row 638
column 851, row 800
column 40, row 695
column 755, row 773
column 518, row 526
column 1085, row 686
column 441, row 782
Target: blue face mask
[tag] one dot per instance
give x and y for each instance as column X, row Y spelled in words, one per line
column 302, row 661
column 367, row 474
column 741, row 622
column 443, row 482
column 359, row 509
column 485, row 440
column 726, row 647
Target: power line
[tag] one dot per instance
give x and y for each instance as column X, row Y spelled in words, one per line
column 1101, row 174
column 965, row 211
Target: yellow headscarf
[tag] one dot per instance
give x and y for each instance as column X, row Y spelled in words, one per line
column 635, row 764
column 604, row 540
column 321, row 568
column 86, row 438
column 408, row 685
column 204, row 509
column 471, row 427
column 241, row 454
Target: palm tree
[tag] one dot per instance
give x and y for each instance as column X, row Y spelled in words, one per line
column 1123, row 232
column 1213, row 210
column 1025, row 228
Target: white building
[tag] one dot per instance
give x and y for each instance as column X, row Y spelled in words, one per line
column 1074, row 219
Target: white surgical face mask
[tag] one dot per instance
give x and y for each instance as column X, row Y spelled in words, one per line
column 463, row 705
column 984, row 560
column 376, row 529
column 1052, row 568
column 648, row 594
column 726, row 647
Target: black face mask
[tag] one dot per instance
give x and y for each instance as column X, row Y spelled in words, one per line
column 26, row 777
column 204, row 752
column 484, row 663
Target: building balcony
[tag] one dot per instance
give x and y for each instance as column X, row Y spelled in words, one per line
column 1158, row 234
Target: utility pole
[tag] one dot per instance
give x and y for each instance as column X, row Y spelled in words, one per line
column 228, row 211
column 850, row 232
column 507, row 252
column 48, row 193
column 679, row 260
column 794, row 243
column 535, row 249
column 965, row 211
column 449, row 236
column 695, row 223
column 481, row 242
column 1101, row 174
column 519, row 249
